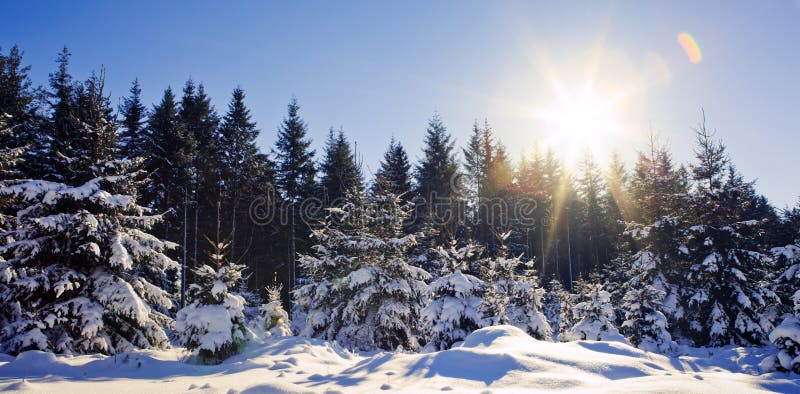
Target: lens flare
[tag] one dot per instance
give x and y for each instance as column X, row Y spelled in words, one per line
column 689, row 45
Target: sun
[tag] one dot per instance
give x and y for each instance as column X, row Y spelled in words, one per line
column 577, row 121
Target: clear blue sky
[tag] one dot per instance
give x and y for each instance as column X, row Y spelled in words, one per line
column 382, row 68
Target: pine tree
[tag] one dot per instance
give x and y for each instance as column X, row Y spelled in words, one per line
column 645, row 325
column 455, row 307
column 201, row 122
column 134, row 141
column 489, row 178
column 169, row 164
column 213, row 323
column 594, row 316
column 340, row 171
column 438, row 203
column 512, row 296
column 10, row 155
column 296, row 179
column 75, row 274
column 20, row 105
column 295, row 158
column 725, row 293
column 477, row 156
column 240, row 162
column 556, row 306
column 592, row 191
column 786, row 336
column 275, row 318
column 363, row 293
column 394, row 174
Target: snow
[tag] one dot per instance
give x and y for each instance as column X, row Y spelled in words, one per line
column 493, row 360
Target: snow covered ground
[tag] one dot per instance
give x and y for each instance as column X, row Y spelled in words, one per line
column 496, row 359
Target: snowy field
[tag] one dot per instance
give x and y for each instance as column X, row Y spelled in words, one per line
column 491, row 360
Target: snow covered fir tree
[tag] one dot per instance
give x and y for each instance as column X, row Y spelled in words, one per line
column 275, row 318
column 593, row 316
column 456, row 297
column 363, row 292
column 213, row 322
column 78, row 253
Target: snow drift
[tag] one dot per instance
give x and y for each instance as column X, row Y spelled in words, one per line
column 497, row 359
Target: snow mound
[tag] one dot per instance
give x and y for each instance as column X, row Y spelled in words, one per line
column 495, row 359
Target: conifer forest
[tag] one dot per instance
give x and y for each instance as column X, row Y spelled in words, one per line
column 165, row 242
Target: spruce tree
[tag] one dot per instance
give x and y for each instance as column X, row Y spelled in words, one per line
column 645, row 324
column 10, row 156
column 437, row 192
column 75, row 274
column 489, row 177
column 362, row 291
column 340, row 172
column 201, row 122
column 296, row 181
column 169, row 164
column 20, row 105
column 786, row 336
column 394, row 174
column 724, row 293
column 240, row 162
column 512, row 294
column 455, row 307
column 556, row 305
column 592, row 192
column 134, row 141
column 275, row 318
column 213, row 323
column 295, row 158
column 594, row 316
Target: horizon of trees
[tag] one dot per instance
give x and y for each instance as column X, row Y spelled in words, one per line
column 197, row 158
column 698, row 233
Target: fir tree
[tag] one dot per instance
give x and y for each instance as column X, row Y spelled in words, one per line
column 295, row 157
column 556, row 306
column 340, row 171
column 724, row 293
column 394, row 174
column 786, row 336
column 169, row 164
column 201, row 122
column 20, row 106
column 455, row 307
column 594, row 316
column 275, row 318
column 512, row 296
column 363, row 293
column 75, row 274
column 646, row 325
column 134, row 141
column 438, row 195
column 240, row 163
column 213, row 323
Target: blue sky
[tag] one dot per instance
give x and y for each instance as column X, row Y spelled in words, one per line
column 379, row 69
